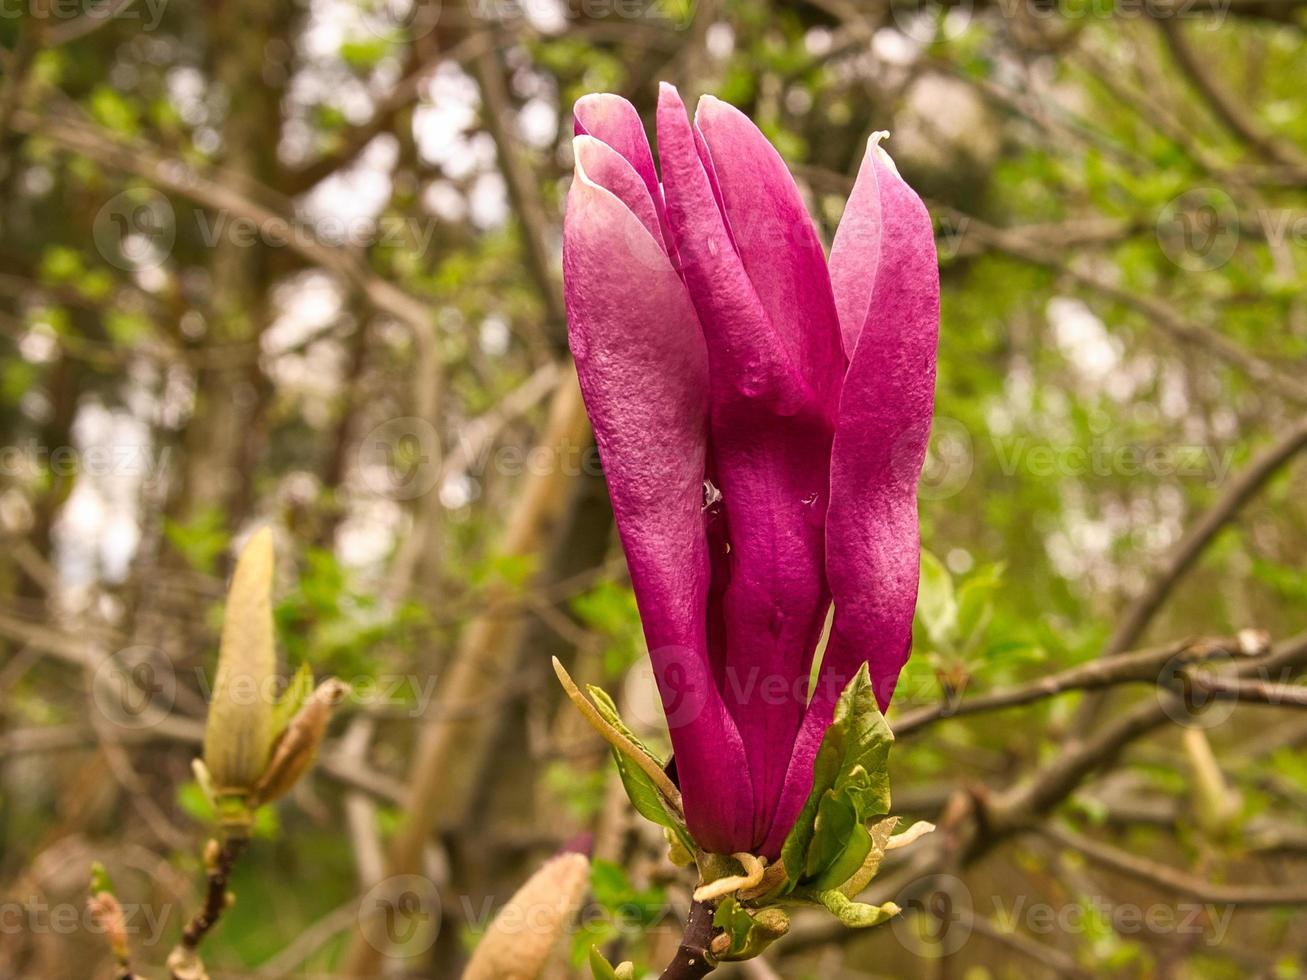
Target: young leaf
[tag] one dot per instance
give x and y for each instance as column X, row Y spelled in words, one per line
column 645, row 796
column 746, row 934
column 852, row 766
column 937, row 607
column 600, row 967
column 855, row 915
column 292, row 699
column 848, row 862
column 880, row 836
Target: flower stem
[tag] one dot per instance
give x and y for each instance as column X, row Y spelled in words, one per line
column 184, row 961
column 691, row 961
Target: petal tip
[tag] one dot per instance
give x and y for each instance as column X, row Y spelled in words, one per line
column 874, row 147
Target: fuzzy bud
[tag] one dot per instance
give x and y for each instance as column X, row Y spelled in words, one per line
column 238, row 734
column 521, row 941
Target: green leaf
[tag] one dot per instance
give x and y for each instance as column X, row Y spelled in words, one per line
column 880, row 833
column 848, row 862
column 750, row 932
column 850, row 774
column 937, row 607
column 832, row 828
column 976, row 608
column 292, row 699
column 732, row 919
column 600, row 967
column 855, row 915
column 644, row 795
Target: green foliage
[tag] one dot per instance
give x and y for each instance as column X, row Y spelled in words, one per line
column 201, row 540
column 609, row 609
column 628, row 912
column 850, row 788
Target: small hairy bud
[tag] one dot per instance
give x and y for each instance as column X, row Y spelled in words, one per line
column 108, row 914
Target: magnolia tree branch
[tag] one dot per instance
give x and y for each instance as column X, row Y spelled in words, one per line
column 691, row 960
column 1019, row 806
column 184, row 962
column 1142, row 666
column 1203, row 532
column 1229, row 109
column 1172, row 880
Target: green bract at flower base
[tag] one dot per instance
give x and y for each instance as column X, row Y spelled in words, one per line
column 831, row 854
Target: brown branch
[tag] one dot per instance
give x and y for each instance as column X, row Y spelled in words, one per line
column 1249, row 690
column 520, row 180
column 1203, row 531
column 176, row 177
column 692, row 959
column 184, row 962
column 1141, row 666
column 1226, row 108
column 1162, row 314
column 1057, row 779
column 1171, row 879
column 386, row 114
column 1139, row 614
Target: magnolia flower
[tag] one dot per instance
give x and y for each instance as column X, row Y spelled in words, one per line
column 762, row 416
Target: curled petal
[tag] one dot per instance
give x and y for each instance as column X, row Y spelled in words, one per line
column 614, row 121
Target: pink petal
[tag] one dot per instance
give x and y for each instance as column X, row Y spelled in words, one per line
column 613, row 172
column 770, row 444
column 873, row 550
column 855, row 253
column 776, row 241
column 643, row 371
column 613, row 120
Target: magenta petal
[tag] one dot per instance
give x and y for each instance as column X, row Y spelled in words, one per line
column 643, row 371
column 613, row 120
column 855, row 253
column 613, row 172
column 873, row 550
column 770, row 445
column 776, row 241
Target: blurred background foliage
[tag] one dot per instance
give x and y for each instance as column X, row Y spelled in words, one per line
column 297, row 264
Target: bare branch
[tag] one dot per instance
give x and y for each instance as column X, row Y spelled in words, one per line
column 1172, row 880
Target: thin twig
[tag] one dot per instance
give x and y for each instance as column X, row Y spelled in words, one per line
column 184, row 962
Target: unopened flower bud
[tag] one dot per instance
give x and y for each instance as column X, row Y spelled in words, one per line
column 238, row 735
column 526, row 932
